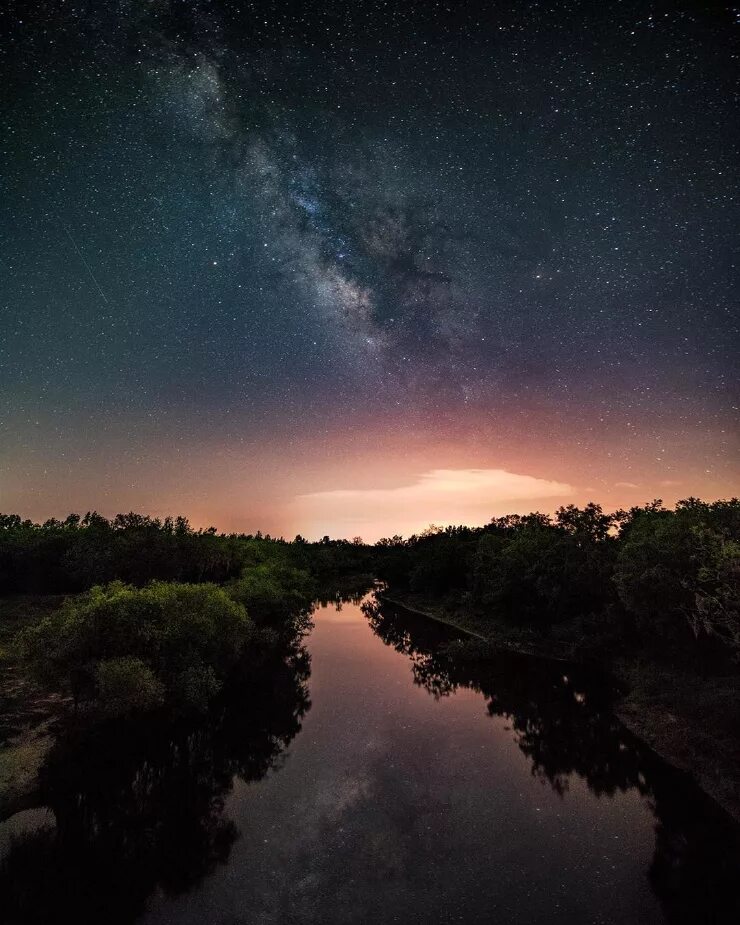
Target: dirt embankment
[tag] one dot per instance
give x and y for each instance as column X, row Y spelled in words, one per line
column 27, row 714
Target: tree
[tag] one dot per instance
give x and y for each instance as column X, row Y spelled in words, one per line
column 679, row 570
column 273, row 592
column 126, row 685
column 588, row 523
column 534, row 571
column 717, row 595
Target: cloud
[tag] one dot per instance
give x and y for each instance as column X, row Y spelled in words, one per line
column 626, row 485
column 440, row 496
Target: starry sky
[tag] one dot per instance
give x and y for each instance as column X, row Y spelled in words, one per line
column 353, row 268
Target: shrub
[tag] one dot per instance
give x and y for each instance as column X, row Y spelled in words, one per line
column 186, row 638
column 127, row 685
column 196, row 686
column 273, row 592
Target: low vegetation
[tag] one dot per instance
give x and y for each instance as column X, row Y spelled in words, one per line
column 130, row 649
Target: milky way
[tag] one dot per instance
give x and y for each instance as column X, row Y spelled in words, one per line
column 503, row 233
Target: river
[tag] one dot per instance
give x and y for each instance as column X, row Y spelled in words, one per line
column 403, row 782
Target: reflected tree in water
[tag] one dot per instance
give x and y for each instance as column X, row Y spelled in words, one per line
column 140, row 807
column 561, row 717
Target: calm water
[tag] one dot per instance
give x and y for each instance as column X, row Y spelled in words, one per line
column 391, row 783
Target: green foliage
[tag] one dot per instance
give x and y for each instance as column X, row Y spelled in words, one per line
column 526, row 568
column 444, row 565
column 273, row 592
column 680, row 570
column 196, row 686
column 663, row 573
column 79, row 552
column 543, row 573
column 126, row 685
column 589, row 524
column 130, row 649
column 717, row 600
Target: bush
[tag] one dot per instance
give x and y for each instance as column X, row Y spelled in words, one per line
column 177, row 643
column 197, row 686
column 127, row 685
column 273, row 592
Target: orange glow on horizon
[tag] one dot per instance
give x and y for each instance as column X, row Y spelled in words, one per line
column 375, row 479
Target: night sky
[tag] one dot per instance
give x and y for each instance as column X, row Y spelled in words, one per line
column 350, row 268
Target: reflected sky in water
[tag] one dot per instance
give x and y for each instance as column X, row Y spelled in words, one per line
column 399, row 805
column 375, row 772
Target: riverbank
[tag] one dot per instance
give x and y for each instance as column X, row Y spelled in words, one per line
column 686, row 717
column 31, row 717
column 27, row 714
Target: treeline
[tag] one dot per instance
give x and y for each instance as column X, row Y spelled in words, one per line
column 663, row 574
column 159, row 617
column 72, row 555
column 668, row 576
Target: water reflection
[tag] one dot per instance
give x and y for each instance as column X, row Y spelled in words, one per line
column 560, row 716
column 140, row 809
column 392, row 807
column 339, row 598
